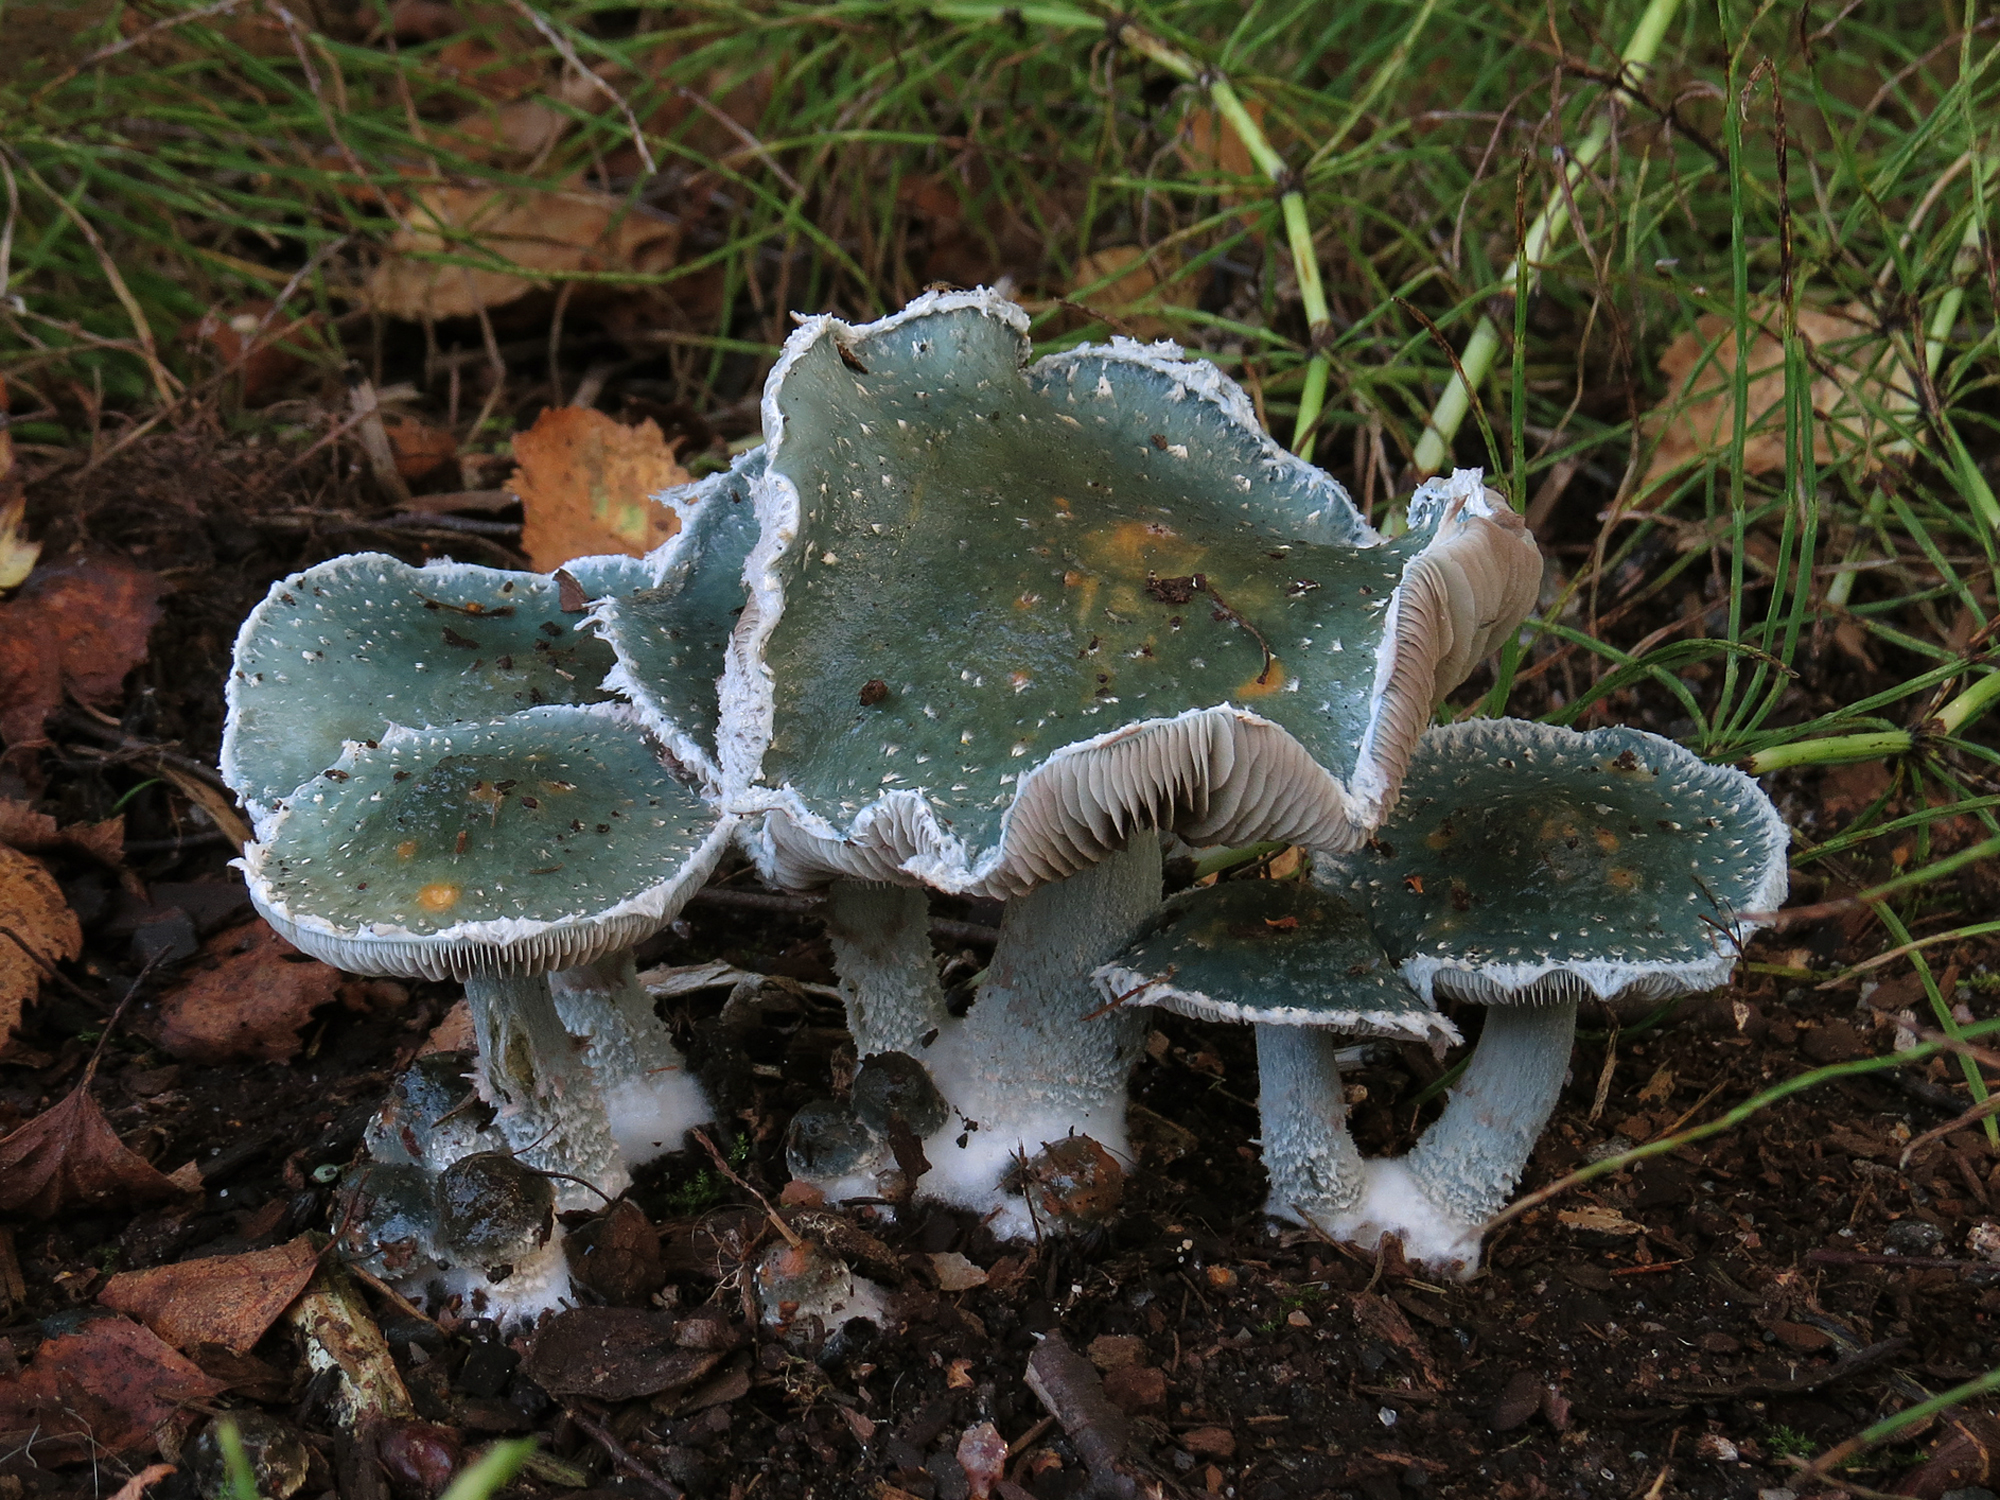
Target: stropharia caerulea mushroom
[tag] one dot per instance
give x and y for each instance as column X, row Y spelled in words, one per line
column 346, row 649
column 1527, row 868
column 1009, row 621
column 497, row 854
column 1301, row 965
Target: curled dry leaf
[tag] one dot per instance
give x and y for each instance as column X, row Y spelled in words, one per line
column 534, row 231
column 1698, row 414
column 587, row 486
column 39, row 930
column 68, row 1154
column 251, row 1004
column 231, row 1300
column 79, row 627
column 419, row 449
column 262, row 349
column 110, row 1386
column 982, row 1454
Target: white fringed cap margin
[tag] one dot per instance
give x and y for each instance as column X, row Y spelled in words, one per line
column 493, row 946
column 1726, row 842
column 1213, row 773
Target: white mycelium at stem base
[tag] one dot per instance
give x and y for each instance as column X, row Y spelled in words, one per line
column 1314, row 1167
column 1464, row 1169
column 1040, row 1057
column 888, row 976
column 651, row 1100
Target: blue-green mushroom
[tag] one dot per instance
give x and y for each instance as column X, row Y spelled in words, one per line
column 1301, row 965
column 1528, row 868
column 1009, row 624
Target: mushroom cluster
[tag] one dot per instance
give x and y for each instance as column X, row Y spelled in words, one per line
column 442, row 787
column 1526, row 868
column 972, row 623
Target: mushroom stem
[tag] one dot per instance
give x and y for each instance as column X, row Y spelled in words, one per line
column 549, row 1107
column 651, row 1100
column 1040, row 1056
column 1468, row 1162
column 1315, row 1170
column 888, row 975
column 1464, row 1168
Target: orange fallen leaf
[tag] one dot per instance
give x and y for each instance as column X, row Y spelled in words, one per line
column 231, row 1300
column 251, row 1004
column 69, row 1154
column 587, row 485
column 110, row 1386
column 40, row 929
column 1697, row 416
column 1133, row 293
column 264, row 351
column 535, row 232
column 420, row 449
column 78, row 627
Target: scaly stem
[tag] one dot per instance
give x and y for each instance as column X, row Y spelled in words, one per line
column 1313, row 1165
column 888, row 975
column 1434, row 447
column 1040, row 1056
column 651, row 1100
column 1469, row 1161
column 549, row 1107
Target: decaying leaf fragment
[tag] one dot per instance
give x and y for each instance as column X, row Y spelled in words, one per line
column 537, row 232
column 112, row 1386
column 251, row 1004
column 231, row 1300
column 17, row 553
column 77, row 627
column 1697, row 417
column 587, row 484
column 37, row 928
column 69, row 1154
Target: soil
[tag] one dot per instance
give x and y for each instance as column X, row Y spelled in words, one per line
column 1758, row 1296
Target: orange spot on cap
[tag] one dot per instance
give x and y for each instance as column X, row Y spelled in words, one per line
column 407, row 849
column 439, row 896
column 1271, row 680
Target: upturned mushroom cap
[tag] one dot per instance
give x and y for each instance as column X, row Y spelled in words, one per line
column 671, row 633
column 1272, row 952
column 347, row 648
column 1002, row 614
column 1530, row 863
column 539, row 842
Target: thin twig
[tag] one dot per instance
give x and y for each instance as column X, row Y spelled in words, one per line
column 790, row 1234
column 603, row 1438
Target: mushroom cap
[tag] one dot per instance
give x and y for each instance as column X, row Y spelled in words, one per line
column 671, row 633
column 1003, row 614
column 1527, row 862
column 541, row 841
column 1273, row 952
column 347, row 648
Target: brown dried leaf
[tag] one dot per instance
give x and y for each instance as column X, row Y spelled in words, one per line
column 1698, row 414
column 251, row 1004
column 231, row 1300
column 36, row 833
column 266, row 352
column 1595, row 1219
column 613, row 1354
column 587, row 485
column 420, row 449
column 537, row 231
column 78, row 627
column 982, row 1455
column 38, row 926
column 955, row 1273
column 69, row 1154
column 111, row 1385
column 1134, row 293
